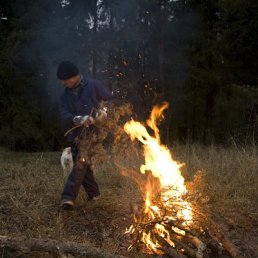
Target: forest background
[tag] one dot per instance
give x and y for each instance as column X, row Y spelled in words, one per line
column 199, row 55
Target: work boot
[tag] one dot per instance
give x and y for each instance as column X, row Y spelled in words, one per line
column 93, row 198
column 67, row 205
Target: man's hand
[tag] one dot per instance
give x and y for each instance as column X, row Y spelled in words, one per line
column 101, row 114
column 88, row 120
column 83, row 120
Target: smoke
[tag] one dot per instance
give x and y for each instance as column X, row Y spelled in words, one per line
column 63, row 31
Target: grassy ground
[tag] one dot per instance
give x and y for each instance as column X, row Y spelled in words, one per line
column 226, row 187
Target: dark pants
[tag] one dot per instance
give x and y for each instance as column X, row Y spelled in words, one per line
column 80, row 176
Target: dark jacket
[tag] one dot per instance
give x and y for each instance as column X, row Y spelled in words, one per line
column 90, row 93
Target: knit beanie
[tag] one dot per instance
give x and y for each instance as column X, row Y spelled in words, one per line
column 66, row 70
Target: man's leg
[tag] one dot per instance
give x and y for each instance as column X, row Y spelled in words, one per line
column 90, row 185
column 73, row 184
column 74, row 181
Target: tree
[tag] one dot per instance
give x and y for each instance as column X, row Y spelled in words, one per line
column 217, row 65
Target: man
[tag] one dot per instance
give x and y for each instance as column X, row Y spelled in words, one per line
column 79, row 98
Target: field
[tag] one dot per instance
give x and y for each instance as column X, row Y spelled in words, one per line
column 225, row 186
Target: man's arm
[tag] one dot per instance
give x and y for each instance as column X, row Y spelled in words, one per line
column 101, row 93
column 66, row 116
column 69, row 119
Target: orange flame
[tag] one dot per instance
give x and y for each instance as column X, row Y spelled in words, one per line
column 158, row 158
column 159, row 161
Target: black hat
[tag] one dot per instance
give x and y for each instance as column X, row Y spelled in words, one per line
column 66, row 70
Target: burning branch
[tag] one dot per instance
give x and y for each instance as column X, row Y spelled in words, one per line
column 165, row 232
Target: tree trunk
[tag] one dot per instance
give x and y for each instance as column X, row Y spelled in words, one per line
column 94, row 46
column 161, row 63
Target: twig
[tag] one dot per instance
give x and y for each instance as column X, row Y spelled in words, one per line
column 67, row 132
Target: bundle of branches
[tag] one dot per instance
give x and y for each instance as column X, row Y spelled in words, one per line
column 163, row 228
column 96, row 142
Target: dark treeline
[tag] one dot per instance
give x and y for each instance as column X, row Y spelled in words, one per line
column 200, row 56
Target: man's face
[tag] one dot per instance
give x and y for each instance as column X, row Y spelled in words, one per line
column 71, row 82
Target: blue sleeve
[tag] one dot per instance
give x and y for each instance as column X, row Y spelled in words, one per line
column 101, row 93
column 66, row 116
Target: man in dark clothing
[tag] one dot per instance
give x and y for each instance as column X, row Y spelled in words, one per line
column 79, row 98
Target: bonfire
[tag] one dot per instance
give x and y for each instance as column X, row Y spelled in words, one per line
column 166, row 223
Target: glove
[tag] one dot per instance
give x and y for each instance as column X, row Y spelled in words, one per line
column 101, row 114
column 83, row 120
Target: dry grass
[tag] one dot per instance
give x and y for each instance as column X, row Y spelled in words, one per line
column 31, row 185
column 227, row 187
column 230, row 179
